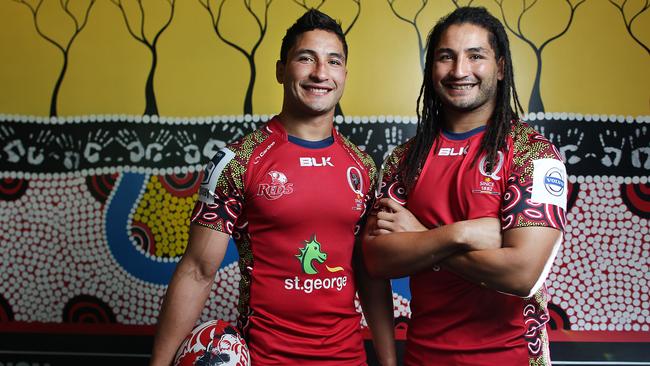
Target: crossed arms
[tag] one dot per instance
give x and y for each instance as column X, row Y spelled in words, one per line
column 515, row 262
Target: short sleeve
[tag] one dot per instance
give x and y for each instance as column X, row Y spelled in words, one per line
column 536, row 190
column 389, row 183
column 221, row 197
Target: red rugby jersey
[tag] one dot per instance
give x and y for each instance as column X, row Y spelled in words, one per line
column 454, row 321
column 293, row 208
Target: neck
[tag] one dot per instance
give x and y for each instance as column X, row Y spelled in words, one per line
column 462, row 121
column 310, row 128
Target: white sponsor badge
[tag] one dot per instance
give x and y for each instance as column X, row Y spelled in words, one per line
column 212, row 173
column 549, row 182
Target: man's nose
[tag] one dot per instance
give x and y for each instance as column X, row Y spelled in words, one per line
column 319, row 72
column 460, row 68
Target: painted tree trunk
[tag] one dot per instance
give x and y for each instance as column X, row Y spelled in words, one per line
column 57, row 87
column 151, row 106
column 248, row 101
column 535, row 104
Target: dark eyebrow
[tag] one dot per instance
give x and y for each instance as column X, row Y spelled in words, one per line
column 477, row 49
column 471, row 49
column 337, row 55
column 444, row 50
column 306, row 50
column 314, row 53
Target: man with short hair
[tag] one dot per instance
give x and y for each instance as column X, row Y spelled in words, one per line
column 293, row 195
column 472, row 161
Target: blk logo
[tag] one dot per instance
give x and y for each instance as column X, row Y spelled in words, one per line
column 452, row 151
column 323, row 161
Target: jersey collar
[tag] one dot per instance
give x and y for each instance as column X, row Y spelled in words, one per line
column 274, row 126
column 463, row 135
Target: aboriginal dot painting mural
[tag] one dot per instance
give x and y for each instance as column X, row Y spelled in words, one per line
column 110, row 110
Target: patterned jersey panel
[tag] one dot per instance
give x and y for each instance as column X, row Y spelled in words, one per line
column 222, row 191
column 536, row 189
column 536, row 316
column 365, row 161
column 390, row 184
column 221, row 207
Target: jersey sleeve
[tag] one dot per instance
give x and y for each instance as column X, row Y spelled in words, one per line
column 370, row 176
column 536, row 190
column 389, row 183
column 221, row 195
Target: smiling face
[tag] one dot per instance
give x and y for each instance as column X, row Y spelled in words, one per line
column 313, row 75
column 465, row 70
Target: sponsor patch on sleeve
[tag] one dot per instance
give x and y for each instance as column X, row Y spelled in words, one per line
column 212, row 173
column 549, row 182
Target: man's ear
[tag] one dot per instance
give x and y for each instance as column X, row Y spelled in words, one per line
column 501, row 65
column 279, row 71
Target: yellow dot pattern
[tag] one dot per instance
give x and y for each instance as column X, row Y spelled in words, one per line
column 168, row 218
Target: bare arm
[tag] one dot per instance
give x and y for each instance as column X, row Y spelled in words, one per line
column 188, row 291
column 518, row 268
column 376, row 298
column 396, row 244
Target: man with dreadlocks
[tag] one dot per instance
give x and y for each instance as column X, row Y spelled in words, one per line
column 474, row 175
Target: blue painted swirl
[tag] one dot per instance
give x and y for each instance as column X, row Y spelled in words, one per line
column 143, row 267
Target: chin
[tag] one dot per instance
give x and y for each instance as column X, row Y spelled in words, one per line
column 319, row 109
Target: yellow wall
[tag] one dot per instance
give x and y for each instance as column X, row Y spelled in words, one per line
column 596, row 67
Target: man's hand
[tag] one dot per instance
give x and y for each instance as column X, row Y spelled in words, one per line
column 394, row 218
column 481, row 234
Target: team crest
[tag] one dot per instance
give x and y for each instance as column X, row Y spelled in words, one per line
column 356, row 185
column 277, row 187
column 487, row 184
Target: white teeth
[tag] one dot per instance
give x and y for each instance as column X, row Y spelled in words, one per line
column 461, row 87
column 319, row 91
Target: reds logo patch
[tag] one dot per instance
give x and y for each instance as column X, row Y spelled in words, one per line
column 276, row 188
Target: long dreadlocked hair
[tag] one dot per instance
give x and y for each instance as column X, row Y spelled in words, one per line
column 429, row 107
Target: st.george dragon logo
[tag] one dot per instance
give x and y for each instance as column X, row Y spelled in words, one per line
column 307, row 255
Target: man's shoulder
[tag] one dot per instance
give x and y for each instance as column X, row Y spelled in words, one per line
column 235, row 157
column 244, row 147
column 358, row 153
column 528, row 144
column 397, row 154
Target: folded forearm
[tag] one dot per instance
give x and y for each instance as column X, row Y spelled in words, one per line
column 404, row 253
column 500, row 269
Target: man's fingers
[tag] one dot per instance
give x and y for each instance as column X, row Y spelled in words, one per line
column 391, row 204
column 386, row 216
column 378, row 232
column 384, row 224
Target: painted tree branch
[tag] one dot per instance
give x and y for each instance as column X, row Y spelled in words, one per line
column 535, row 104
column 628, row 22
column 303, row 3
column 64, row 47
column 151, row 105
column 262, row 24
column 458, row 5
column 413, row 22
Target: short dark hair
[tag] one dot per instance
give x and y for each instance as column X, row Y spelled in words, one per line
column 311, row 20
column 429, row 107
